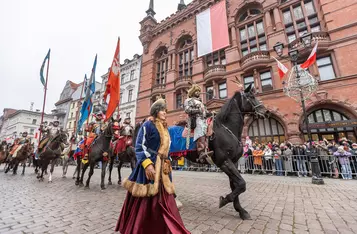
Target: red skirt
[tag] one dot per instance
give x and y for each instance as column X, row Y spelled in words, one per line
column 146, row 215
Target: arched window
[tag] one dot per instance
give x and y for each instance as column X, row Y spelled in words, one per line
column 318, row 121
column 162, row 65
column 252, row 34
column 266, row 130
column 185, row 56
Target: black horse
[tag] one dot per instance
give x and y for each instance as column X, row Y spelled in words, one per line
column 51, row 153
column 227, row 145
column 127, row 156
column 99, row 153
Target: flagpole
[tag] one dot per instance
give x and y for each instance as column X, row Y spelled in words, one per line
column 77, row 112
column 44, row 98
column 118, row 117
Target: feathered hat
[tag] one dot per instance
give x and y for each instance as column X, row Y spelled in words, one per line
column 158, row 105
column 193, row 90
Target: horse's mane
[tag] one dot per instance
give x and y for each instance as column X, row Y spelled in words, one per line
column 228, row 107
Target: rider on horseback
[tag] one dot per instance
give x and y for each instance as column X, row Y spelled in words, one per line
column 49, row 134
column 94, row 130
column 19, row 143
column 197, row 112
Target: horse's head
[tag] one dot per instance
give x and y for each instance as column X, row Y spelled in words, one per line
column 62, row 137
column 112, row 128
column 250, row 104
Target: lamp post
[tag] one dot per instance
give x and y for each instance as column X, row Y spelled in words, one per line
column 300, row 86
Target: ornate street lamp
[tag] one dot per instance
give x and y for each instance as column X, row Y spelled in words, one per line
column 300, row 86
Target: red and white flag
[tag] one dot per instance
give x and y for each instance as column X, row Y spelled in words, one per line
column 311, row 59
column 281, row 68
column 212, row 29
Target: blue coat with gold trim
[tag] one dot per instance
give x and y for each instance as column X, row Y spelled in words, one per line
column 147, row 145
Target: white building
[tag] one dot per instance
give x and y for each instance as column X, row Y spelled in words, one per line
column 23, row 121
column 129, row 86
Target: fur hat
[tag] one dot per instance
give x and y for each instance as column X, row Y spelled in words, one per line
column 340, row 149
column 193, row 90
column 158, row 105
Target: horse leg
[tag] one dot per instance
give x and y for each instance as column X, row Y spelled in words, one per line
column 111, row 164
column 14, row 170
column 119, row 169
column 78, row 169
column 104, row 167
column 23, row 168
column 91, row 172
column 85, row 166
column 238, row 186
column 51, row 170
column 7, row 165
column 65, row 166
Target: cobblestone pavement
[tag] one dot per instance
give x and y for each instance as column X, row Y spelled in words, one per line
column 276, row 204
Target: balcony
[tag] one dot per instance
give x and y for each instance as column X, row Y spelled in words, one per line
column 183, row 82
column 321, row 37
column 158, row 89
column 254, row 60
column 214, row 72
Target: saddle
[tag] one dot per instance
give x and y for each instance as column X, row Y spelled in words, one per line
column 122, row 143
column 209, row 122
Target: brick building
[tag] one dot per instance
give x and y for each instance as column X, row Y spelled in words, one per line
column 170, row 63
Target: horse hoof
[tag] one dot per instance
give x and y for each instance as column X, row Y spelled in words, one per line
column 119, row 181
column 86, row 187
column 110, row 183
column 50, row 181
column 81, row 184
column 22, row 174
column 64, row 176
column 245, row 216
column 222, row 202
column 103, row 187
column 73, row 178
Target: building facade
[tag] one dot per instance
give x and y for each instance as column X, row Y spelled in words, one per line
column 129, row 85
column 170, row 63
column 76, row 106
column 62, row 105
column 23, row 121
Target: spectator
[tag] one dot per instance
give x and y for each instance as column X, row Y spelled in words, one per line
column 268, row 159
column 354, row 157
column 257, row 155
column 343, row 158
column 300, row 155
column 288, row 154
column 278, row 162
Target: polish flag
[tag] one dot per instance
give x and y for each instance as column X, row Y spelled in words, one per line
column 212, row 29
column 311, row 59
column 282, row 69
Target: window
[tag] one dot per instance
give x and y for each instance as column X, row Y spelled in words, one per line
column 71, row 115
column 325, row 68
column 216, row 58
column 266, row 81
column 127, row 115
column 122, row 79
column 327, row 115
column 248, row 80
column 222, row 88
column 249, row 14
column 121, row 98
column 300, row 19
column 32, row 131
column 209, row 93
column 132, row 74
column 252, row 37
column 34, row 121
column 69, row 124
column 179, row 103
column 266, row 130
column 130, row 96
column 72, row 105
column 185, row 57
column 161, row 66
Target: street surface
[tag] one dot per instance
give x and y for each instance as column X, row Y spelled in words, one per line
column 276, row 204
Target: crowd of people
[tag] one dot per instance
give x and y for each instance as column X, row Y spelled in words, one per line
column 335, row 158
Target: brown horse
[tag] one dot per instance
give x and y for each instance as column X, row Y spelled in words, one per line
column 22, row 155
column 4, row 152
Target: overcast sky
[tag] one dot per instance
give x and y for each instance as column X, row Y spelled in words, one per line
column 75, row 30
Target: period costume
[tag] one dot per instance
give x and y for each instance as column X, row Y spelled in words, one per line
column 197, row 112
column 49, row 133
column 19, row 144
column 150, row 206
column 124, row 138
column 94, row 130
